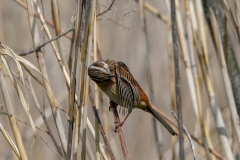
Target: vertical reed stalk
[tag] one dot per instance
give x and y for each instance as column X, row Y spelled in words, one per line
column 177, row 79
column 50, row 95
column 97, row 138
column 72, row 100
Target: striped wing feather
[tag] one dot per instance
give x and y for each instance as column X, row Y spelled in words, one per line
column 126, row 86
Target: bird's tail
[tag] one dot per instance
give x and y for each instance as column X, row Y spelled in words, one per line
column 156, row 113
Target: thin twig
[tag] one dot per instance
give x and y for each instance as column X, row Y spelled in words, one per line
column 188, row 135
column 4, row 113
column 109, row 150
column 106, row 9
column 42, row 45
column 42, row 113
column 52, row 148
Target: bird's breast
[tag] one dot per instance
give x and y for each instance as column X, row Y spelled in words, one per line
column 110, row 89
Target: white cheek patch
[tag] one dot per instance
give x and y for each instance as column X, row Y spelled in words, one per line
column 104, row 70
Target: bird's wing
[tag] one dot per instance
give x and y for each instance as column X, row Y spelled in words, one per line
column 126, row 86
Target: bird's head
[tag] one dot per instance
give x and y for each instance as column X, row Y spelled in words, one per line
column 101, row 71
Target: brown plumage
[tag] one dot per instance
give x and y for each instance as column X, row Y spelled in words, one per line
column 117, row 82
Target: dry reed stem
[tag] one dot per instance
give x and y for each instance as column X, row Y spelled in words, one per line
column 204, row 62
column 185, row 47
column 171, row 76
column 84, row 79
column 10, row 141
column 72, row 100
column 51, row 24
column 97, row 138
column 50, row 95
column 62, row 66
column 154, row 11
column 10, row 112
column 230, row 18
column 227, row 83
column 191, row 20
column 74, row 50
column 177, row 78
column 197, row 80
column 57, row 26
column 237, row 13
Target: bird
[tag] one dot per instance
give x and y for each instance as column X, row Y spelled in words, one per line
column 117, row 82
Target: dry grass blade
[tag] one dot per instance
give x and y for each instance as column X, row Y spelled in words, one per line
column 10, row 112
column 10, row 141
column 8, row 51
column 229, row 15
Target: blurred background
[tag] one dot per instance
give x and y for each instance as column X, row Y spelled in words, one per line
column 120, row 37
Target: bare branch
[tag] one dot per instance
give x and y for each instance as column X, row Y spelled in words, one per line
column 188, row 135
column 106, row 9
column 42, row 45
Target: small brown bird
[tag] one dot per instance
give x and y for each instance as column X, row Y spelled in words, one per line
column 117, row 82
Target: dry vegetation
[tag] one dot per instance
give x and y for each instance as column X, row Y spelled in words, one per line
column 49, row 109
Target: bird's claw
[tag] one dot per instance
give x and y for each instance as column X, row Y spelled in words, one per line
column 110, row 108
column 117, row 124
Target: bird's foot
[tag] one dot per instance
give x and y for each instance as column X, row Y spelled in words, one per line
column 112, row 104
column 117, row 124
